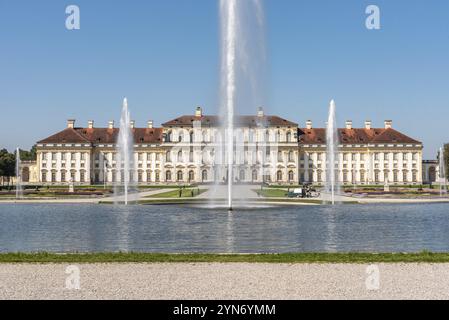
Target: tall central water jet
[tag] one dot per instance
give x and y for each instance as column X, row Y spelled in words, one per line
column 332, row 152
column 242, row 70
column 229, row 20
column 442, row 173
column 19, row 191
column 125, row 151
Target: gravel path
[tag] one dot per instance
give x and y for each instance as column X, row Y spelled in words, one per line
column 225, row 281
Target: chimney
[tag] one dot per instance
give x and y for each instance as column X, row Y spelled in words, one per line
column 150, row 124
column 132, row 124
column 349, row 124
column 388, row 124
column 368, row 124
column 90, row 124
column 111, row 124
column 309, row 124
column 198, row 112
column 260, row 112
column 71, row 123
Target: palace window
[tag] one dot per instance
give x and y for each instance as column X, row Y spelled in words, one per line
column 289, row 136
column 168, row 156
column 280, row 158
column 362, row 176
column 291, row 156
column 204, row 175
column 291, row 176
column 62, row 176
column 191, row 176
column 157, row 177
column 82, row 176
column 254, row 175
column 180, row 176
column 242, row 175
column 168, row 176
column 180, row 156
column 279, row 175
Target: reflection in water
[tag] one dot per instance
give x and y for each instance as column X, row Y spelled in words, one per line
column 230, row 232
column 122, row 224
column 331, row 239
column 93, row 228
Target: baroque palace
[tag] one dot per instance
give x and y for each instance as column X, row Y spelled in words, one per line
column 268, row 149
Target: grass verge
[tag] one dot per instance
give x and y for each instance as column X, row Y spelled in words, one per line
column 185, row 193
column 358, row 258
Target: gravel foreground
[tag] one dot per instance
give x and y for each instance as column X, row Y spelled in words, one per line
column 224, row 281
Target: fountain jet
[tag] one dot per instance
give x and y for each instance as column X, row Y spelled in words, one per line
column 229, row 20
column 332, row 152
column 125, row 146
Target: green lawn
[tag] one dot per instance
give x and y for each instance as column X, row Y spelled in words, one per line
column 272, row 193
column 360, row 258
column 185, row 193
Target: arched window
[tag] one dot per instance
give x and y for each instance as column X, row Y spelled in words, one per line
column 180, row 137
column 168, row 156
column 180, row 176
column 279, row 175
column 242, row 176
column 168, row 176
column 267, row 136
column 191, row 176
column 26, row 174
column 278, row 136
column 180, row 156
column 191, row 136
column 191, row 156
column 254, row 175
column 205, row 136
column 204, row 175
column 291, row 176
column 289, row 136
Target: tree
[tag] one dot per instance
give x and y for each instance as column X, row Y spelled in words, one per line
column 7, row 164
column 28, row 155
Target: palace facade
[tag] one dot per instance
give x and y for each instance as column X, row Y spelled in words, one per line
column 267, row 149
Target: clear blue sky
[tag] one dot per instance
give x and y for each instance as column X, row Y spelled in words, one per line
column 163, row 55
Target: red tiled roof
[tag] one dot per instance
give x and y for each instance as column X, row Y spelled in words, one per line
column 356, row 136
column 250, row 121
column 103, row 135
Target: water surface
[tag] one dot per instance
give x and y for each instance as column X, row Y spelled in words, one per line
column 174, row 229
